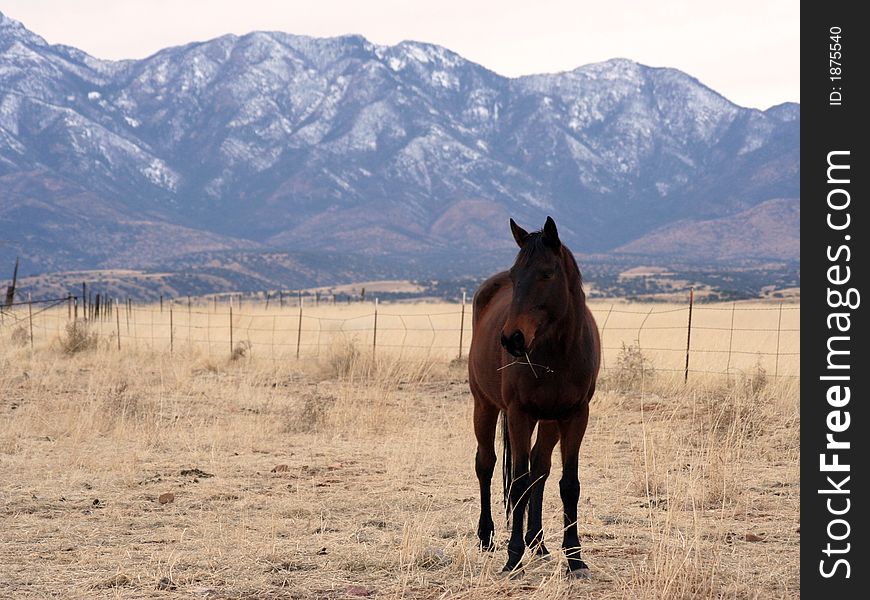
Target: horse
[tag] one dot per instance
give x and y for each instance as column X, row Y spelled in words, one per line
column 534, row 359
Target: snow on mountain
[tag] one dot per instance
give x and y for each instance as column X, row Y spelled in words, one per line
column 298, row 142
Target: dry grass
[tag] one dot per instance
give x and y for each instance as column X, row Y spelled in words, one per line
column 352, row 476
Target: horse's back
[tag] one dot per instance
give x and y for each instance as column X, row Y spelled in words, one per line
column 491, row 304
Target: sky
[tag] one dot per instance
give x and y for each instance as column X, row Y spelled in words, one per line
column 747, row 50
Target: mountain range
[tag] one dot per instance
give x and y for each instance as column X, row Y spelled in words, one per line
column 248, row 145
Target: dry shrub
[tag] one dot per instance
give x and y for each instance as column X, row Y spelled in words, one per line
column 738, row 409
column 78, row 337
column 344, row 357
column 241, row 350
column 681, row 565
column 632, row 367
column 20, row 336
column 311, row 415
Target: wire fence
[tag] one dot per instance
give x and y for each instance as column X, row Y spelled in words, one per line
column 724, row 339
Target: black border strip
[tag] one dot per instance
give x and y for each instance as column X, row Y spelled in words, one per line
column 834, row 116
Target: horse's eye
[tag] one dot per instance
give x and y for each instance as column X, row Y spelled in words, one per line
column 546, row 274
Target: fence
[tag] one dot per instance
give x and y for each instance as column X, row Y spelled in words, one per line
column 683, row 339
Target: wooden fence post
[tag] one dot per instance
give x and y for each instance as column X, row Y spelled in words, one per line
column 161, row 302
column 689, row 333
column 461, row 324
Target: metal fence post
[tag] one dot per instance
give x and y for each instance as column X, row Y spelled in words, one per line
column 689, row 333
column 231, row 326
column 299, row 328
column 171, row 329
column 778, row 330
column 30, row 316
column 462, row 325
column 118, row 323
column 730, row 338
column 603, row 347
column 375, row 333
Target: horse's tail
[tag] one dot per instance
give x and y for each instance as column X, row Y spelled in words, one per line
column 506, row 466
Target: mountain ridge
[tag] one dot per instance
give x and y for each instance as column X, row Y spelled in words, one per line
column 276, row 141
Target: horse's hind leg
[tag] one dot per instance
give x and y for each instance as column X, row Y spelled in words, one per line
column 542, row 453
column 485, row 420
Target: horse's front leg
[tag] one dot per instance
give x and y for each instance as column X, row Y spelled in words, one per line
column 548, row 435
column 520, row 426
column 571, row 432
column 485, row 421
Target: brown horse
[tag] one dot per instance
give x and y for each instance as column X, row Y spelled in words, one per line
column 534, row 358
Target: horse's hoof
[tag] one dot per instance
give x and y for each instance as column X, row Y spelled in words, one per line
column 515, row 573
column 582, row 573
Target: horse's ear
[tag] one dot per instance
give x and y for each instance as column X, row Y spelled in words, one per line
column 551, row 235
column 520, row 234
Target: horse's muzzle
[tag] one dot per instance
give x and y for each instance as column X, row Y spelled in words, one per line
column 515, row 344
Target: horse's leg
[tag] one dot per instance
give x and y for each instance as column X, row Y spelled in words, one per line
column 485, row 420
column 571, row 432
column 520, row 426
column 542, row 453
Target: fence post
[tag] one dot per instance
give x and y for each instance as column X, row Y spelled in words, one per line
column 30, row 316
column 68, row 306
column 689, row 332
column 778, row 330
column 118, row 323
column 461, row 324
column 161, row 302
column 231, row 326
column 730, row 338
column 601, row 341
column 75, row 309
column 375, row 332
column 267, row 299
column 299, row 328
column 84, row 301
column 171, row 330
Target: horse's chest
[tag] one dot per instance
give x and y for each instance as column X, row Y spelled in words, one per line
column 549, row 401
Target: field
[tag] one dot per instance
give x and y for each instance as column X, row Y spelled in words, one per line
column 347, row 475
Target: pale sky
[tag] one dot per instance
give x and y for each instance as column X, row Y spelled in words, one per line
column 747, row 50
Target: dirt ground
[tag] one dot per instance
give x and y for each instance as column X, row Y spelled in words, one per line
column 140, row 475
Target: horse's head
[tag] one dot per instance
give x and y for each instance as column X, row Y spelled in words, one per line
column 544, row 278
